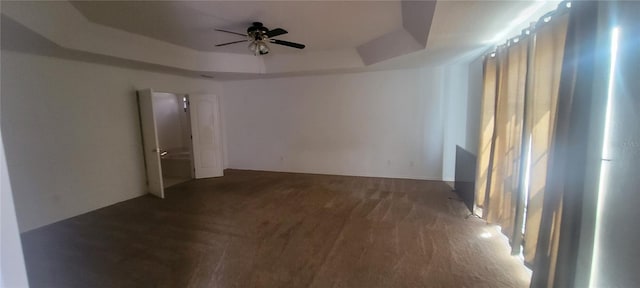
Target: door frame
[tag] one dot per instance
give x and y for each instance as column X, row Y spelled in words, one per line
column 189, row 128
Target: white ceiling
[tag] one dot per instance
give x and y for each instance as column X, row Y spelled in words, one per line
column 462, row 30
column 321, row 25
column 340, row 36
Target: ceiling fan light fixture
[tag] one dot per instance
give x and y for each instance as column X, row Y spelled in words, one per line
column 253, row 47
column 263, row 48
column 259, row 48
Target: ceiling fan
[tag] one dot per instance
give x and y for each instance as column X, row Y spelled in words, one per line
column 258, row 36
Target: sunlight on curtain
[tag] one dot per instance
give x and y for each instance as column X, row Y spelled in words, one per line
column 545, row 69
column 521, row 80
column 542, row 104
column 486, row 128
column 501, row 205
column 559, row 234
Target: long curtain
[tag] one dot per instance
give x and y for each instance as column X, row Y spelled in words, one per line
column 544, row 81
column 500, row 204
column 533, row 142
column 558, row 238
column 521, row 89
column 487, row 122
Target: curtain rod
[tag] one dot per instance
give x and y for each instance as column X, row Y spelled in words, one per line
column 562, row 8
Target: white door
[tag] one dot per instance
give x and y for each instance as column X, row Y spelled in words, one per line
column 205, row 130
column 150, row 143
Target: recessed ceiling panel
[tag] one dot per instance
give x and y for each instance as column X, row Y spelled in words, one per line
column 321, row 25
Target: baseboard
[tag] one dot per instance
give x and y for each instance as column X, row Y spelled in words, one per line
column 333, row 174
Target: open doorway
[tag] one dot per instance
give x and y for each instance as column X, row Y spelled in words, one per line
column 181, row 138
column 173, row 126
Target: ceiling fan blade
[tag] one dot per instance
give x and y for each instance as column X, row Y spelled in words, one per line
column 220, row 30
column 287, row 43
column 276, row 32
column 234, row 42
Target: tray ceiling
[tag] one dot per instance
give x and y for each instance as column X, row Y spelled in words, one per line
column 346, row 36
column 321, row 25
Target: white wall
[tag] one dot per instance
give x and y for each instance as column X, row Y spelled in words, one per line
column 386, row 124
column 617, row 256
column 73, row 141
column 12, row 268
column 13, row 272
column 462, row 94
column 72, row 133
column 474, row 105
column 455, row 95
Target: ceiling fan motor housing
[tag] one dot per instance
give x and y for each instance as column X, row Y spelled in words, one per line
column 257, row 31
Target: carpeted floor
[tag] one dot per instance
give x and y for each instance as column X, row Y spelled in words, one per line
column 264, row 229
